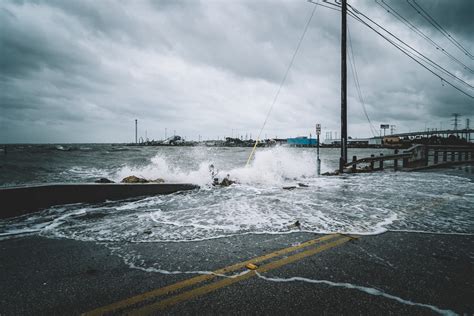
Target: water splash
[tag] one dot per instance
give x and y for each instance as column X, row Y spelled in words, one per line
column 273, row 166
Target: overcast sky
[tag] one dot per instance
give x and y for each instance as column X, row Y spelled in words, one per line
column 83, row 71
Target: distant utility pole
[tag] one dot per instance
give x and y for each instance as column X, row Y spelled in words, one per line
column 136, row 131
column 467, row 129
column 455, row 120
column 392, row 129
column 343, row 158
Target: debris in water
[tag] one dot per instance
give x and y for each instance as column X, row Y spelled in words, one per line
column 296, row 224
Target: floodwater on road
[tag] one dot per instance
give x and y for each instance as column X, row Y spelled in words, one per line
column 440, row 201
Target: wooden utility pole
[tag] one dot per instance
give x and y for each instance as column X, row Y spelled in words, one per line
column 343, row 159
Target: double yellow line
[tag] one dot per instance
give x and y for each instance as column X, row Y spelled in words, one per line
column 193, row 293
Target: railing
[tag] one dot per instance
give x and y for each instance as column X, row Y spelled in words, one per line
column 415, row 158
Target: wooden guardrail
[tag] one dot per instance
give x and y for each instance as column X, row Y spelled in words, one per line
column 415, row 158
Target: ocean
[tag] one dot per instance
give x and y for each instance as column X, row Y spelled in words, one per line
column 438, row 201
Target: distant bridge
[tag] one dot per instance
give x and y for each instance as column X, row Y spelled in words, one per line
column 446, row 132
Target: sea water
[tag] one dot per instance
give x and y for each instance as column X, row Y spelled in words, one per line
column 440, row 201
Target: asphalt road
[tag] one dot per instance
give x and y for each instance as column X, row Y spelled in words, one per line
column 392, row 273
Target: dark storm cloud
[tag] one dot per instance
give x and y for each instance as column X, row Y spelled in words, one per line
column 454, row 16
column 84, row 70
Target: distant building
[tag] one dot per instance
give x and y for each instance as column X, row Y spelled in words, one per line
column 375, row 141
column 358, row 141
column 391, row 140
column 302, row 141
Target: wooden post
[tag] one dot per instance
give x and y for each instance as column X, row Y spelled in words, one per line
column 395, row 162
column 435, row 159
column 459, row 155
column 372, row 163
column 354, row 167
column 405, row 162
column 426, row 152
column 381, row 162
column 445, row 156
column 466, row 155
column 452, row 155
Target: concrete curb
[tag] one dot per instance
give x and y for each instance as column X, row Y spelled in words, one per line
column 21, row 200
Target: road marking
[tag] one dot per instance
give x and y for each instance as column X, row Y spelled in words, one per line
column 189, row 282
column 146, row 310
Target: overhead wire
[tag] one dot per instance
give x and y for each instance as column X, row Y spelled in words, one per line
column 355, row 16
column 353, row 67
column 409, row 47
column 281, row 84
column 353, row 12
column 433, row 22
column 415, row 29
column 406, row 52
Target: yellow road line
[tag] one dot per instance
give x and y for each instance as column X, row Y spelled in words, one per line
column 228, row 281
column 189, row 282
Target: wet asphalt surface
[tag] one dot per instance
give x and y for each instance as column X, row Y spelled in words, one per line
column 41, row 276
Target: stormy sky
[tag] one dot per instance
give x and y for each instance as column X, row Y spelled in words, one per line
column 83, row 71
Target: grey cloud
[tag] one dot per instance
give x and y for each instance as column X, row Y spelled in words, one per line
column 207, row 67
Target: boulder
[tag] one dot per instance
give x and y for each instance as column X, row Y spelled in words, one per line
column 134, row 179
column 104, row 180
column 158, row 180
column 226, row 182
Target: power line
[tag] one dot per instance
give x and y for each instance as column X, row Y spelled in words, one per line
column 410, row 25
column 357, row 83
column 406, row 52
column 354, row 14
column 428, row 60
column 433, row 22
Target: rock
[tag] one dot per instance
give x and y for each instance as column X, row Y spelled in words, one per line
column 302, row 185
column 226, row 182
column 289, row 188
column 104, row 180
column 158, row 180
column 133, row 179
